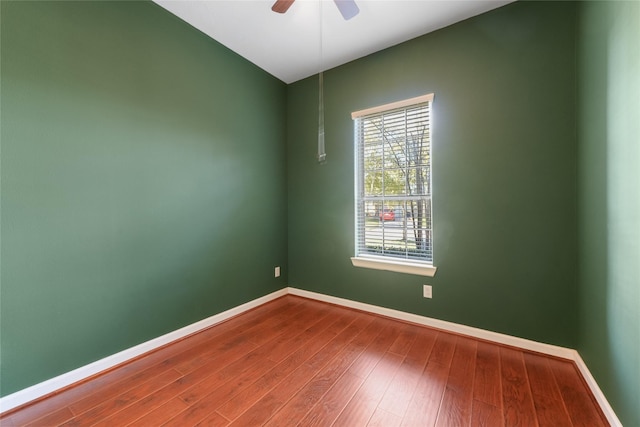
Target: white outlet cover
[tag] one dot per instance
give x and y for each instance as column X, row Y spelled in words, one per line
column 277, row 272
column 426, row 291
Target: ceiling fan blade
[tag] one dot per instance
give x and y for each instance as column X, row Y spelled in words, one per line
column 281, row 6
column 348, row 8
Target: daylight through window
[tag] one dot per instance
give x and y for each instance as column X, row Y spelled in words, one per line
column 393, row 181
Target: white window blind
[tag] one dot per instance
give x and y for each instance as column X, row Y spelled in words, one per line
column 393, row 181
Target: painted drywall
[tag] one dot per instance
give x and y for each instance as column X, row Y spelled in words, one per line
column 609, row 176
column 143, row 182
column 504, row 173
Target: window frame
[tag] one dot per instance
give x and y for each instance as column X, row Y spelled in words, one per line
column 386, row 262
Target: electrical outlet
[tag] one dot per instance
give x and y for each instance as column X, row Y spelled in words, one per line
column 426, row 291
column 277, row 272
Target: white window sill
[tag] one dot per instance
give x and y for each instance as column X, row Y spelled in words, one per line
column 380, row 263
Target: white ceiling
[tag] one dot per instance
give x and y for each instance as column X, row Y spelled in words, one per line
column 312, row 36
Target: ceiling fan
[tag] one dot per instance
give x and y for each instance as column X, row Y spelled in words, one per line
column 348, row 8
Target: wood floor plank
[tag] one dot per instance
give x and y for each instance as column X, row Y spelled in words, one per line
column 317, row 339
column 214, row 340
column 550, row 412
column 233, row 369
column 398, row 395
column 207, row 396
column 52, row 419
column 455, row 409
column 404, row 340
column 211, row 369
column 277, row 325
column 69, row 396
column 547, row 399
column 382, row 418
column 580, row 405
column 463, row 365
column 370, row 329
column 36, row 417
column 516, row 393
column 213, row 420
column 420, row 350
column 192, row 414
column 181, row 385
column 367, row 361
column 485, row 415
column 266, row 363
column 116, row 404
column 298, row 406
column 425, row 402
column 365, row 402
column 295, row 361
column 221, row 392
column 268, row 405
column 486, row 384
column 339, row 395
column 234, row 376
column 118, row 387
column 342, row 321
column 154, row 401
column 161, row 414
column 443, row 349
column 294, row 337
column 113, row 390
column 225, row 352
column 247, row 336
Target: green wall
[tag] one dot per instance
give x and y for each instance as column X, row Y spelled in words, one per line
column 143, row 182
column 609, row 135
column 504, row 173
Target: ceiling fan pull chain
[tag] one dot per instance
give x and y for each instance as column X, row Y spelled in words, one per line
column 322, row 156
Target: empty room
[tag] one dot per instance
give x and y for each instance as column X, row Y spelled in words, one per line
column 356, row 213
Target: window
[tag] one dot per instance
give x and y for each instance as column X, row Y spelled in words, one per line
column 393, row 187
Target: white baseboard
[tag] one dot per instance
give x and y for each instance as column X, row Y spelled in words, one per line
column 597, row 393
column 49, row 386
column 525, row 344
column 496, row 337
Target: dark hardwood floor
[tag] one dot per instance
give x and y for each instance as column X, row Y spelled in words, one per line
column 295, row 361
